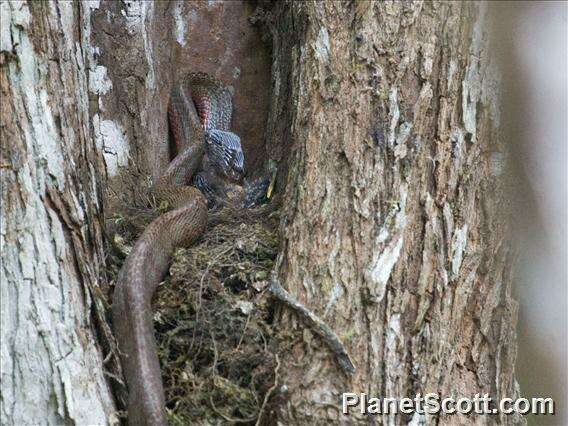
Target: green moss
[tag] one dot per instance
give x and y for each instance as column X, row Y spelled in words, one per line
column 349, row 334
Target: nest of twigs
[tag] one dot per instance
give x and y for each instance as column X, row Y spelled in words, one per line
column 212, row 317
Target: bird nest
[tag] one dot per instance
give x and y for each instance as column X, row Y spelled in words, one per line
column 212, row 317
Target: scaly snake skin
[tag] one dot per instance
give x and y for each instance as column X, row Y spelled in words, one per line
column 199, row 106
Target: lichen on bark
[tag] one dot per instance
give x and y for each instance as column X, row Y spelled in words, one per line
column 389, row 197
column 381, row 117
column 51, row 236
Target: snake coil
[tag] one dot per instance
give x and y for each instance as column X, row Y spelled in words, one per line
column 199, row 114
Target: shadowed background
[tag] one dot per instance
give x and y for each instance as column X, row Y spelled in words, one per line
column 532, row 48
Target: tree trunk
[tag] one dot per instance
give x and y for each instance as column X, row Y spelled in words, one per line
column 383, row 120
column 391, row 227
column 52, row 248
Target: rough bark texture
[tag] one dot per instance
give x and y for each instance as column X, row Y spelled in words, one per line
column 51, row 235
column 391, row 228
column 84, row 94
column 382, row 118
column 142, row 47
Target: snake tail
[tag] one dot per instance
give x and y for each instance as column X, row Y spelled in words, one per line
column 199, row 108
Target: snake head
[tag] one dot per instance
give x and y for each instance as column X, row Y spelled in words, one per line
column 225, row 151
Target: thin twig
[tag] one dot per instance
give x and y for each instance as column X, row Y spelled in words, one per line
column 269, row 393
column 243, row 333
column 199, row 299
column 215, row 352
column 232, row 420
column 315, row 323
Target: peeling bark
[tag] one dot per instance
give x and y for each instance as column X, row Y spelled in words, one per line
column 383, row 119
column 84, row 126
column 51, row 236
column 142, row 47
column 391, row 228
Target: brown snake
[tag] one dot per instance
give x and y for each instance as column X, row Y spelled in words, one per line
column 209, row 157
column 199, row 114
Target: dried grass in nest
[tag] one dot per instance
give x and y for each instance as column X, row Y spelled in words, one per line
column 215, row 343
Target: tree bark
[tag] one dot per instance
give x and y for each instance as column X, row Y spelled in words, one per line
column 391, row 228
column 383, row 119
column 85, row 87
column 51, row 236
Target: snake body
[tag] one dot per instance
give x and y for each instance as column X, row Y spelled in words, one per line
column 199, row 114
